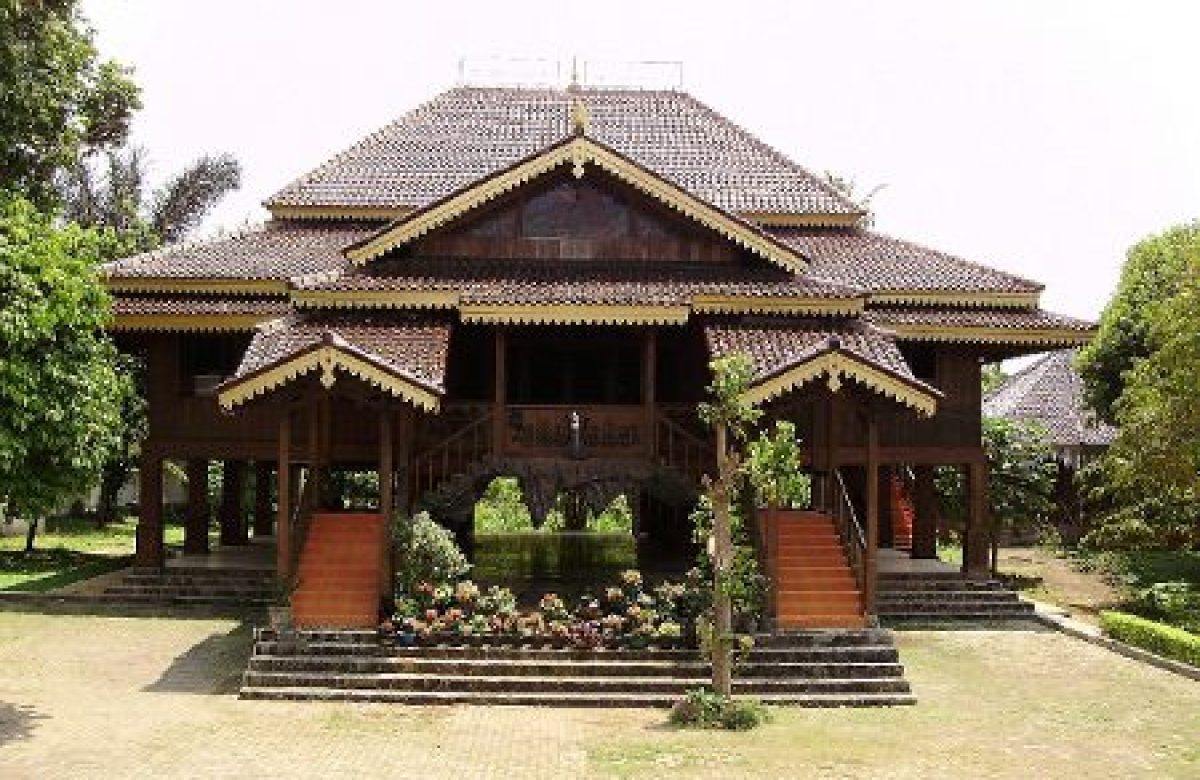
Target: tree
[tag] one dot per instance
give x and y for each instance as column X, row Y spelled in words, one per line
column 108, row 191
column 58, row 100
column 60, row 386
column 730, row 416
column 1153, row 272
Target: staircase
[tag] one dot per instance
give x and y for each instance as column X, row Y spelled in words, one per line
column 815, row 585
column 844, row 668
column 946, row 596
column 338, row 575
column 194, row 586
column 903, row 513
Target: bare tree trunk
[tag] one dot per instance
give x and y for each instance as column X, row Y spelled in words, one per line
column 722, row 650
column 31, row 534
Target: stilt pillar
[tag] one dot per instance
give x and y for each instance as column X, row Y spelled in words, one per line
column 872, row 552
column 925, row 520
column 286, row 495
column 149, row 551
column 387, row 497
column 195, row 529
column 977, row 545
column 262, row 498
column 887, row 527
column 233, row 521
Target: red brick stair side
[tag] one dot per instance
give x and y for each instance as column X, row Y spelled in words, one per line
column 814, row 584
column 903, row 514
column 339, row 572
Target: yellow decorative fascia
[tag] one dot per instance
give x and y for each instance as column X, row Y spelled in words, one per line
column 749, row 304
column 782, row 219
column 1036, row 336
column 574, row 315
column 996, row 300
column 836, row 367
column 197, row 286
column 381, row 213
column 578, row 153
column 189, row 323
column 375, row 299
column 326, row 359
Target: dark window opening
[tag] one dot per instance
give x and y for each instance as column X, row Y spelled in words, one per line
column 204, row 361
column 568, row 370
column 922, row 359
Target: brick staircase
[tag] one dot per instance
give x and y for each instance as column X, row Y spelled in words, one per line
column 946, row 596
column 194, row 586
column 835, row 668
column 903, row 513
column 815, row 586
column 338, row 572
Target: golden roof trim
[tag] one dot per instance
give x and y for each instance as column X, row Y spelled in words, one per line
column 992, row 335
column 327, row 358
column 836, row 366
column 376, row 299
column 1006, row 299
column 205, row 286
column 574, row 314
column 579, row 152
column 753, row 304
column 189, row 323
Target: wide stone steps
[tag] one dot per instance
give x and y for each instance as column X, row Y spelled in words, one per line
column 817, row 668
column 947, row 596
column 198, row 587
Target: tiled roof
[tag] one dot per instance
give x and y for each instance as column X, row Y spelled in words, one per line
column 881, row 263
column 275, row 250
column 415, row 346
column 1016, row 319
column 775, row 344
column 175, row 305
column 578, row 282
column 466, row 133
column 1050, row 391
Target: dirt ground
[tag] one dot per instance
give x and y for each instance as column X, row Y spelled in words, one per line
column 115, row 697
column 1046, row 576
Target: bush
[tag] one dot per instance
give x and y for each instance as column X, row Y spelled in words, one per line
column 1164, row 640
column 704, row 709
column 426, row 553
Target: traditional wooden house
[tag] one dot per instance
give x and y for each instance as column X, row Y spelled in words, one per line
column 534, row 281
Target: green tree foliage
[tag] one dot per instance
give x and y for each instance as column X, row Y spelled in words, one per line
column 1153, row 272
column 61, row 388
column 58, row 100
column 774, row 465
column 501, row 508
column 425, row 553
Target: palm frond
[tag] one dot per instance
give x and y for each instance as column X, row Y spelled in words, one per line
column 184, row 201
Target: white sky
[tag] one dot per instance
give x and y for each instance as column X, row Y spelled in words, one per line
column 1038, row 136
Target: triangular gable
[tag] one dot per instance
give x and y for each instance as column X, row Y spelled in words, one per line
column 579, row 152
column 835, row 363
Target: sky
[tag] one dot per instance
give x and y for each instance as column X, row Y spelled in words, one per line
column 1042, row 137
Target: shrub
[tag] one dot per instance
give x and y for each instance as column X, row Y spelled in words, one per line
column 426, row 553
column 703, row 709
column 1164, row 640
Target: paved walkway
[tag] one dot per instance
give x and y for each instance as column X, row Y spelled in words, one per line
column 107, row 697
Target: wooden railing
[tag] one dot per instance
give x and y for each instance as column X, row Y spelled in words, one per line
column 453, row 455
column 854, row 540
column 681, row 450
column 301, row 519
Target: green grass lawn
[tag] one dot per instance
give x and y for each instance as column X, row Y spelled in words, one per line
column 68, row 550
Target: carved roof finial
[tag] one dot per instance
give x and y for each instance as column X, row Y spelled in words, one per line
column 579, row 117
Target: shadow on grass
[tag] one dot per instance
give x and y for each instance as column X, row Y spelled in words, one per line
column 44, row 570
column 213, row 666
column 17, row 722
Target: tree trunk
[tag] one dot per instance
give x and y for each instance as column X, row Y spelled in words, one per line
column 112, row 479
column 722, row 650
column 31, row 534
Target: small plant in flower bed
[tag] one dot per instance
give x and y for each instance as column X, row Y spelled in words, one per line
column 705, row 709
column 623, row 615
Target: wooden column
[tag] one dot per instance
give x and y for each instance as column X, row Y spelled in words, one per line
column 832, row 425
column 314, row 454
column 978, row 543
column 283, row 508
column 649, row 382
column 262, row 498
column 887, row 528
column 500, row 394
column 149, row 552
column 195, row 529
column 387, row 501
column 405, row 456
column 233, row 521
column 925, row 514
column 872, row 551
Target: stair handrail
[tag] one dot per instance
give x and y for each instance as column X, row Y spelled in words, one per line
column 427, row 462
column 301, row 521
column 697, row 453
column 850, row 530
